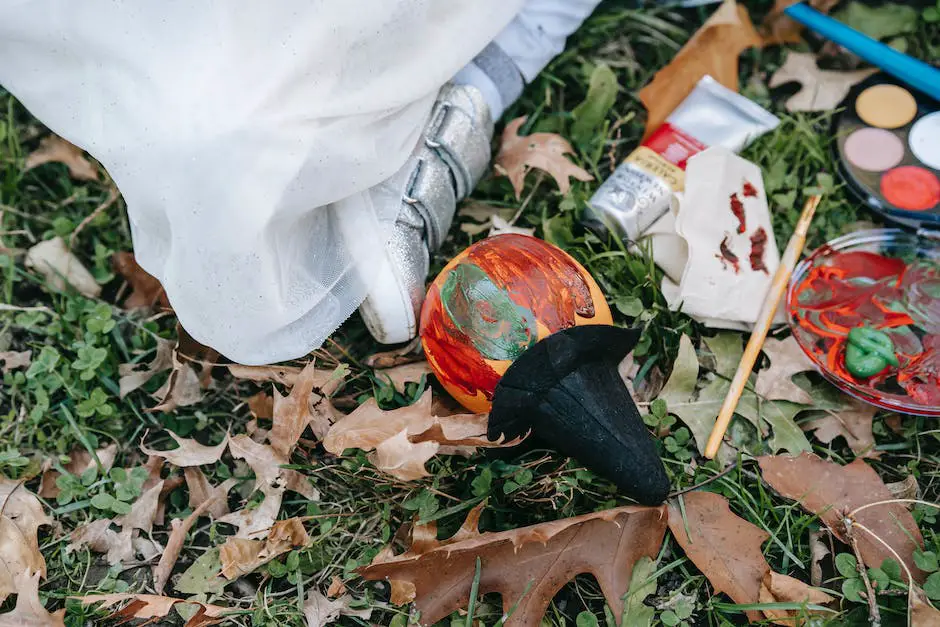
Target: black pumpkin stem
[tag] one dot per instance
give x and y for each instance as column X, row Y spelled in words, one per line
column 567, row 390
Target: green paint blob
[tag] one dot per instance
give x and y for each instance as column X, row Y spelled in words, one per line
column 498, row 328
column 868, row 352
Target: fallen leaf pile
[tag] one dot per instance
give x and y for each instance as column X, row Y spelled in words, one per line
column 545, row 151
column 526, row 566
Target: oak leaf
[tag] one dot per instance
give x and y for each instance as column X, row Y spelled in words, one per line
column 146, row 290
column 778, row 28
column 182, row 388
column 189, row 452
column 29, row 610
column 713, row 51
column 409, row 353
column 21, row 516
column 261, row 406
column 200, row 491
column 726, row 548
column 133, row 376
column 545, row 151
column 54, row 149
column 293, row 413
column 15, row 359
column 271, row 480
column 240, row 556
column 321, row 611
column 100, row 538
column 53, row 260
column 337, row 587
column 405, row 439
column 526, row 566
column 151, row 606
column 922, row 613
column 832, row 492
column 777, row 588
column 284, row 375
column 820, row 90
column 143, row 510
column 854, row 423
column 786, row 359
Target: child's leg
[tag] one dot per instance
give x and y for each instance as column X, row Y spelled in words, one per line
column 523, row 49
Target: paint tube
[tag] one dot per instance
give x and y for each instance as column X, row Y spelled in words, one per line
column 640, row 189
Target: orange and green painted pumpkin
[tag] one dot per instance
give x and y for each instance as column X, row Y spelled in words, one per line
column 495, row 300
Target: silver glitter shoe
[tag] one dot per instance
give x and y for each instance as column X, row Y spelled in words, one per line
column 449, row 161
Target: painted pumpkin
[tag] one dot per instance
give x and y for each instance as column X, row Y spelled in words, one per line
column 494, row 301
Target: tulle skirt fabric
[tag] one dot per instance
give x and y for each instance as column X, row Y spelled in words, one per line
column 256, row 144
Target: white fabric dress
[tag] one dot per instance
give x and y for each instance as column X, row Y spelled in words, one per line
column 253, row 142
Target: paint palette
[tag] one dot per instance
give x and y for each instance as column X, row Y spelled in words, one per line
column 888, row 149
column 886, row 279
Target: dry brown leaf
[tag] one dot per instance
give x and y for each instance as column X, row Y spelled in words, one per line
column 21, row 516
column 59, row 267
column 12, row 360
column 320, row 611
column 818, row 551
column 182, row 388
column 200, row 491
column 712, row 51
column 337, row 587
column 907, row 488
column 29, row 610
column 405, row 439
column 293, row 413
column 483, row 214
column 150, row 606
column 852, row 423
column 99, row 537
column 821, row 90
column 80, row 461
column 261, row 406
column 400, row 376
column 832, row 491
column 777, row 28
column 143, row 510
column 189, row 452
column 726, row 548
column 133, row 377
column 285, row 375
column 240, row 556
column 146, row 290
column 922, row 613
column 895, row 423
column 777, row 588
column 54, row 149
column 271, row 480
column 786, row 359
column 525, row 566
column 406, row 354
column 545, row 151
column 180, row 529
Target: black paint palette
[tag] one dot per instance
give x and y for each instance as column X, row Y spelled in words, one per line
column 888, row 150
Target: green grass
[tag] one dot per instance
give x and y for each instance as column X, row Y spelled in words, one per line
column 55, row 408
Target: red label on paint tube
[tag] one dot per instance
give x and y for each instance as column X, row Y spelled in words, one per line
column 639, row 190
column 673, row 144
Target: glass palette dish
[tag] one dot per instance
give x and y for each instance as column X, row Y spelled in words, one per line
column 888, row 150
column 888, row 279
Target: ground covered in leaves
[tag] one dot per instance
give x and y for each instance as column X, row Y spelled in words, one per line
column 139, row 469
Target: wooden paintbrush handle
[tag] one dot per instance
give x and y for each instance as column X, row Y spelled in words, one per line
column 761, row 327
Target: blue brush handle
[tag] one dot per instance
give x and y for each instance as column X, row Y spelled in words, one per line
column 914, row 72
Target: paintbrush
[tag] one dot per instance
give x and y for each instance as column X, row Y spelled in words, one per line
column 762, row 326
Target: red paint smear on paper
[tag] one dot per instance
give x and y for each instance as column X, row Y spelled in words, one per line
column 536, row 275
column 727, row 257
column 758, row 244
column 853, row 289
column 749, row 190
column 737, row 208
